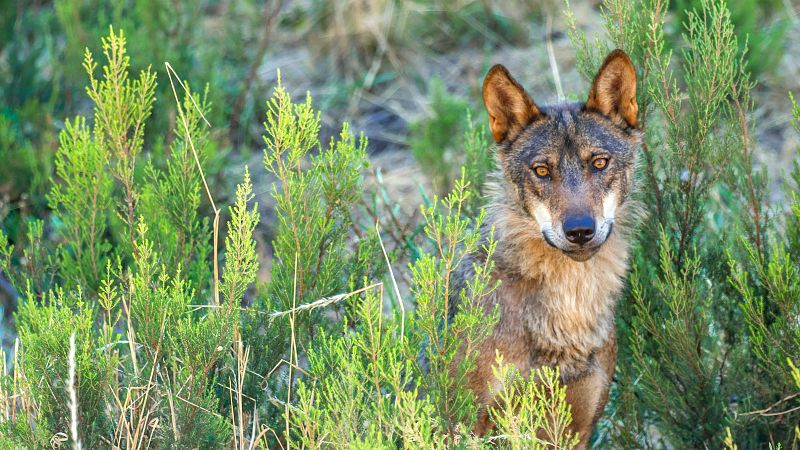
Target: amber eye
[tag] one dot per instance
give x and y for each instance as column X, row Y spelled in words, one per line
column 600, row 163
column 541, row 171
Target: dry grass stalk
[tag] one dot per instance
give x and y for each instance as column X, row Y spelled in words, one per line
column 73, row 395
column 394, row 284
column 323, row 302
column 171, row 72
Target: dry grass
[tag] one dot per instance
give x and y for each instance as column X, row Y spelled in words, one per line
column 360, row 36
column 73, row 395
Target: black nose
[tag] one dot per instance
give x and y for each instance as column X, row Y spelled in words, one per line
column 579, row 229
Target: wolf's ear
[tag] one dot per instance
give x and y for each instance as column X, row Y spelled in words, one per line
column 510, row 107
column 614, row 89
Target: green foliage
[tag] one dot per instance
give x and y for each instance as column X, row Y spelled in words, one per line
column 688, row 372
column 313, row 205
column 444, row 24
column 446, row 330
column 171, row 198
column 30, row 166
column 360, row 401
column 770, row 299
column 760, row 27
column 45, row 326
column 447, row 140
column 28, row 99
column 82, row 166
column 532, row 412
column 314, row 197
column 435, row 141
column 479, row 162
column 690, row 353
column 165, row 355
column 40, row 84
column 119, row 268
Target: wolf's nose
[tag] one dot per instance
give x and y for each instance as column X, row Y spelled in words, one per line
column 579, row 229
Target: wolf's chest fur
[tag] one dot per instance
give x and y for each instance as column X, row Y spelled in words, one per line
column 559, row 311
column 559, row 210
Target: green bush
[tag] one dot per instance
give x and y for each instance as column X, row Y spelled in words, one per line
column 446, row 140
column 760, row 27
column 710, row 286
column 39, row 89
column 435, row 140
column 133, row 331
column 139, row 325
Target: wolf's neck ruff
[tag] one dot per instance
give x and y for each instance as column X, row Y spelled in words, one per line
column 568, row 305
column 560, row 208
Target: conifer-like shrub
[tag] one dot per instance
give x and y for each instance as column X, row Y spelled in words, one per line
column 708, row 324
column 143, row 326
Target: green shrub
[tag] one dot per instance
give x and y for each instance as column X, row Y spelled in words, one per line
column 760, row 26
column 703, row 282
column 479, row 162
column 173, row 348
column 435, row 140
column 524, row 406
column 447, row 140
column 39, row 89
column 129, row 265
column 770, row 299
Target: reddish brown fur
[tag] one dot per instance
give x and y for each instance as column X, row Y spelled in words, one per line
column 557, row 308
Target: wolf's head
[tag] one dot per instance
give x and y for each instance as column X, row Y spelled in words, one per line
column 569, row 167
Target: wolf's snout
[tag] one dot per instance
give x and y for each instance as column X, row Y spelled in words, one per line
column 579, row 229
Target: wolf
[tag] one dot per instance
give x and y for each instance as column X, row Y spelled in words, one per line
column 561, row 208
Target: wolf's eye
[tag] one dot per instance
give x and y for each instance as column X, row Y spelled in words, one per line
column 600, row 163
column 541, row 171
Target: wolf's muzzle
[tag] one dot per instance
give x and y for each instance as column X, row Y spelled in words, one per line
column 579, row 229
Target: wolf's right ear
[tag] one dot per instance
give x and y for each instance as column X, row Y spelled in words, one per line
column 510, row 107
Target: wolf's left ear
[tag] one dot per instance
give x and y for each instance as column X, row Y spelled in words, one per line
column 614, row 89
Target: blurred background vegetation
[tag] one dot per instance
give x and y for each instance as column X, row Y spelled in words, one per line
column 404, row 72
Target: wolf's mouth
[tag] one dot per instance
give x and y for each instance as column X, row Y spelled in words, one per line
column 583, row 254
column 580, row 253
